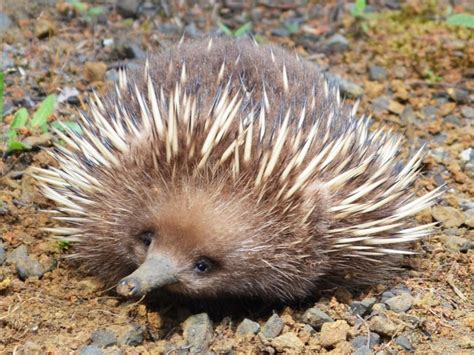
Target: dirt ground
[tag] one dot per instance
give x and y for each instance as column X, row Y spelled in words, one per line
column 413, row 72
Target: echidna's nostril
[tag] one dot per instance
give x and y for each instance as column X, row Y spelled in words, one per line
column 128, row 287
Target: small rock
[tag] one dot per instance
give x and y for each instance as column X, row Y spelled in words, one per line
column 380, row 104
column 44, row 29
column 272, row 327
column 404, row 343
column 379, row 308
column 395, row 107
column 17, row 253
column 337, row 43
column 197, row 331
column 103, row 338
column 134, row 336
column 334, row 332
column 382, row 325
column 350, row 89
column 400, row 303
column 41, row 140
column 127, row 50
column 90, row 350
column 461, row 96
column 315, row 317
column 449, row 216
column 288, row 342
column 169, row 28
column 429, row 112
column 3, row 254
column 467, row 111
column 94, row 71
column 377, row 73
column 5, row 22
column 362, row 340
column 362, row 307
column 248, row 326
column 466, row 154
column 408, row 116
column 128, row 8
column 363, row 350
column 468, row 218
column 455, row 243
column 28, row 267
column 453, row 120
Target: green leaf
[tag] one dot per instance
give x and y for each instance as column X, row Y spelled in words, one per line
column 242, row 30
column 14, row 145
column 225, row 29
column 77, row 5
column 73, row 126
column 462, row 19
column 359, row 8
column 20, row 119
column 2, row 87
column 96, row 11
column 63, row 244
column 40, row 117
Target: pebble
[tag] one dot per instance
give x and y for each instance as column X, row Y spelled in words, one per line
column 363, row 340
column 337, row 43
column 16, row 254
column 273, row 327
column 134, row 336
column 334, row 332
column 408, row 116
column 127, row 50
column 382, row 325
column 248, row 326
column 28, row 267
column 467, row 111
column 347, row 87
column 94, row 71
column 315, row 317
column 128, row 8
column 288, row 342
column 468, row 218
column 198, row 332
column 456, row 243
column 448, row 216
column 5, row 22
column 461, row 96
column 404, row 342
column 400, row 303
column 103, row 338
column 362, row 307
column 395, row 107
column 363, row 350
column 3, row 254
column 90, row 350
column 380, row 104
column 44, row 29
column 377, row 73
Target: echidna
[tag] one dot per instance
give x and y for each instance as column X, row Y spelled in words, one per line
column 225, row 168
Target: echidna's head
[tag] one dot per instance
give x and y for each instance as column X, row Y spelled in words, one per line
column 200, row 237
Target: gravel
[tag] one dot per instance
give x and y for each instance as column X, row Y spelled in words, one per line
column 316, row 317
column 382, row 325
column 197, row 331
column 334, row 332
column 134, row 335
column 288, row 342
column 90, row 350
column 400, row 303
column 404, row 343
column 364, row 340
column 248, row 326
column 377, row 73
column 103, row 338
column 273, row 327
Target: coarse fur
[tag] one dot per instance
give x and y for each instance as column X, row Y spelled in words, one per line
column 241, row 154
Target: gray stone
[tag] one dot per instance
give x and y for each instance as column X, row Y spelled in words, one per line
column 461, row 96
column 337, row 43
column 334, row 332
column 380, row 104
column 408, row 116
column 28, row 267
column 377, row 73
column 128, row 8
column 363, row 340
column 273, row 327
column 467, row 111
column 404, row 342
column 5, row 22
column 103, row 338
column 350, row 89
column 400, row 303
column 198, row 332
column 453, row 119
column 16, row 254
column 362, row 307
column 248, row 326
column 315, row 317
column 382, row 325
column 90, row 350
column 3, row 254
column 363, row 350
column 134, row 336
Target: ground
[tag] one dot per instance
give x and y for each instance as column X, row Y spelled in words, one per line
column 413, row 73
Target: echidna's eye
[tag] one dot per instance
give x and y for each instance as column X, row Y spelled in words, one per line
column 203, row 265
column 147, row 237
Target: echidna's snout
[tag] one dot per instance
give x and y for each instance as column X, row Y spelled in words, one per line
column 155, row 272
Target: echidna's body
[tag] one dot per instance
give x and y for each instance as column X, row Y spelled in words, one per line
column 225, row 168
